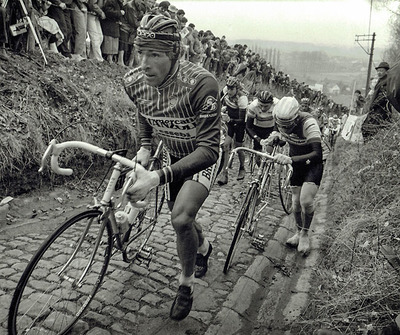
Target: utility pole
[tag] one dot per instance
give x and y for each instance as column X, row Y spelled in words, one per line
column 361, row 38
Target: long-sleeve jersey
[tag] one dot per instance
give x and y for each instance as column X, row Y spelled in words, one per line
column 184, row 112
column 235, row 106
column 304, row 141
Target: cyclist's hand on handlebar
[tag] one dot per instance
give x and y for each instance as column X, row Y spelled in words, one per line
column 142, row 156
column 282, row 159
column 144, row 181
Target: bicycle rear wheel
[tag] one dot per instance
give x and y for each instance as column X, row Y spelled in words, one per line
column 285, row 190
column 62, row 277
column 240, row 225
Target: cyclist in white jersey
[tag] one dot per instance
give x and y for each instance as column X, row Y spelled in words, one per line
column 302, row 132
column 260, row 120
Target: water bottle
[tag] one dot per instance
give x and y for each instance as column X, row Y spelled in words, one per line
column 122, row 221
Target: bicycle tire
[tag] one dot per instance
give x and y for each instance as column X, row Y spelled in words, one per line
column 285, row 191
column 240, row 224
column 47, row 301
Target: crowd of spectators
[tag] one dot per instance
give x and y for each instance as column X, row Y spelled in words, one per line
column 104, row 30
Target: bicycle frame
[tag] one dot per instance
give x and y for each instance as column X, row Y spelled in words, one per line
column 105, row 206
column 260, row 179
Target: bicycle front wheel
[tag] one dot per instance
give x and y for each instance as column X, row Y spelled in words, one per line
column 62, row 277
column 240, row 224
column 285, row 190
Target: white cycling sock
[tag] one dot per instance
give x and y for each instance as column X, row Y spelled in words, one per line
column 187, row 281
column 203, row 249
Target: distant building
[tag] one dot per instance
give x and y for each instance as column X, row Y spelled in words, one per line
column 334, row 90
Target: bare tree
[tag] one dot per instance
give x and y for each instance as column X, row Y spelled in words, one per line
column 392, row 53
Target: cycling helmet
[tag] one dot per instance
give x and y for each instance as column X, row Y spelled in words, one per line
column 233, row 82
column 335, row 116
column 159, row 33
column 265, row 97
column 305, row 101
column 286, row 112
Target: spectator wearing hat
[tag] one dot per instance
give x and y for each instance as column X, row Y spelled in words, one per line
column 379, row 114
column 172, row 10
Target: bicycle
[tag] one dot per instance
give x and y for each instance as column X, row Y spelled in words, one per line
column 68, row 269
column 256, row 200
column 285, row 190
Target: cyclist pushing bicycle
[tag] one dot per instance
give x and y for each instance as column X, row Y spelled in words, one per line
column 260, row 121
column 301, row 131
column 178, row 102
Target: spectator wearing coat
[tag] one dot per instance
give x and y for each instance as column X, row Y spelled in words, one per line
column 95, row 32
column 60, row 11
column 379, row 114
column 110, row 26
column 134, row 11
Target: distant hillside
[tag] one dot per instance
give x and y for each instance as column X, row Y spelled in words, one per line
column 355, row 52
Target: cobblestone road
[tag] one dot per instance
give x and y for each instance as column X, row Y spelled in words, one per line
column 263, row 293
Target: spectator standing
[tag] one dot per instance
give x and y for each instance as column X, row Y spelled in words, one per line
column 3, row 37
column 359, row 102
column 95, row 32
column 134, row 11
column 60, row 11
column 110, row 26
column 172, row 10
column 379, row 114
column 79, row 28
column 193, row 151
column 196, row 50
column 180, row 14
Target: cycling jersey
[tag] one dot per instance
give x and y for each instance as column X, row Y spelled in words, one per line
column 236, row 110
column 262, row 119
column 304, row 140
column 334, row 124
column 184, row 112
column 236, row 105
column 259, row 123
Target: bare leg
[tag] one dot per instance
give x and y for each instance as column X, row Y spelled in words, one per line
column 188, row 202
column 307, row 196
column 294, row 240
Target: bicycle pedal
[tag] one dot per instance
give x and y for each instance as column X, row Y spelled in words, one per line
column 145, row 256
column 258, row 242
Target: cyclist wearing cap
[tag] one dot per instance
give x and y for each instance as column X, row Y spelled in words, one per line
column 260, row 121
column 178, row 102
column 301, row 131
column 321, row 118
column 234, row 101
column 305, row 105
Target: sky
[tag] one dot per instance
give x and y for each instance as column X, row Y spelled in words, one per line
column 331, row 22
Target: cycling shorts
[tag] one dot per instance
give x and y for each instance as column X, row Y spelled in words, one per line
column 236, row 129
column 205, row 177
column 262, row 133
column 303, row 173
